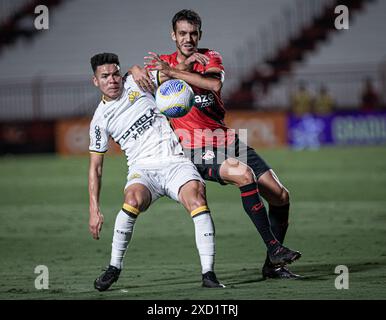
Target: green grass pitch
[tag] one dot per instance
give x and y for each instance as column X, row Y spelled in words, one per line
column 338, row 217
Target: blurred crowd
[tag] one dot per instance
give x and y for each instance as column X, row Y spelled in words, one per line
column 322, row 104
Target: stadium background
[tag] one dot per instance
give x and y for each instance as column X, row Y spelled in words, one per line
column 333, row 163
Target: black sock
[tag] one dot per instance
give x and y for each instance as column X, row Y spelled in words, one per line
column 255, row 209
column 278, row 216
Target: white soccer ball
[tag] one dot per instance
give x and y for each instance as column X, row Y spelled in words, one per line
column 174, row 98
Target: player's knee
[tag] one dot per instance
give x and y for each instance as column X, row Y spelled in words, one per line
column 246, row 177
column 238, row 173
column 195, row 203
column 192, row 195
column 132, row 199
column 133, row 203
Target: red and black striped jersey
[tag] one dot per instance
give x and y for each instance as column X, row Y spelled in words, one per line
column 204, row 124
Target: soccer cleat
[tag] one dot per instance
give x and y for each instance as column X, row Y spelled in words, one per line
column 107, row 278
column 278, row 272
column 209, row 280
column 283, row 255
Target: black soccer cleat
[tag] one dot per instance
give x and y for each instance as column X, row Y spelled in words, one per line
column 107, row 278
column 278, row 272
column 209, row 280
column 283, row 255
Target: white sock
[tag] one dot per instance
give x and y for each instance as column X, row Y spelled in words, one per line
column 204, row 231
column 123, row 231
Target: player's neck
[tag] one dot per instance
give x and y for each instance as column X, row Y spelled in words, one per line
column 106, row 99
column 180, row 57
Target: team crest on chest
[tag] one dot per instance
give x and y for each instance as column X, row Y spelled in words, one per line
column 208, row 155
column 133, row 96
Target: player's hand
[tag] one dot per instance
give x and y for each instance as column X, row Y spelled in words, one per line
column 142, row 79
column 154, row 62
column 95, row 224
column 197, row 57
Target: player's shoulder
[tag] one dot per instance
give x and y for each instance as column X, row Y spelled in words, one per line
column 129, row 82
column 210, row 52
column 98, row 113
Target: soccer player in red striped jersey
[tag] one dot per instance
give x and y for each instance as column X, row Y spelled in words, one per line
column 222, row 156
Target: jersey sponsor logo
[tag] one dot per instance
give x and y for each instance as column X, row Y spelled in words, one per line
column 121, row 232
column 108, row 113
column 140, row 126
column 98, row 137
column 204, row 100
column 215, row 54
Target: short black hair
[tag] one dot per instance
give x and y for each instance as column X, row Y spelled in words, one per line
column 188, row 15
column 103, row 58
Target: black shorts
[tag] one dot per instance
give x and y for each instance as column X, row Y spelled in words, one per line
column 209, row 159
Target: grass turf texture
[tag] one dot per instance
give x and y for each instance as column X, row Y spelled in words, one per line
column 338, row 217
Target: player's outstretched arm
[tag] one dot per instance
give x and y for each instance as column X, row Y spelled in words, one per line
column 211, row 80
column 94, row 187
column 187, row 65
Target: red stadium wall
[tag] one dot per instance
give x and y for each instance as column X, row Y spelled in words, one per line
column 27, row 137
column 72, row 137
column 265, row 129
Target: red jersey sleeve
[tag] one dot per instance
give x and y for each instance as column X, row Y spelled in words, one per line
column 215, row 60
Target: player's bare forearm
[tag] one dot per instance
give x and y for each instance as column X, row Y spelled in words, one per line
column 163, row 77
column 187, row 64
column 204, row 81
column 211, row 80
column 141, row 78
column 94, row 187
column 95, row 179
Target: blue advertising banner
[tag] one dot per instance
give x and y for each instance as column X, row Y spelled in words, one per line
column 345, row 128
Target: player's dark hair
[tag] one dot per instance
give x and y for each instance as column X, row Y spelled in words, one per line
column 103, row 58
column 187, row 15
